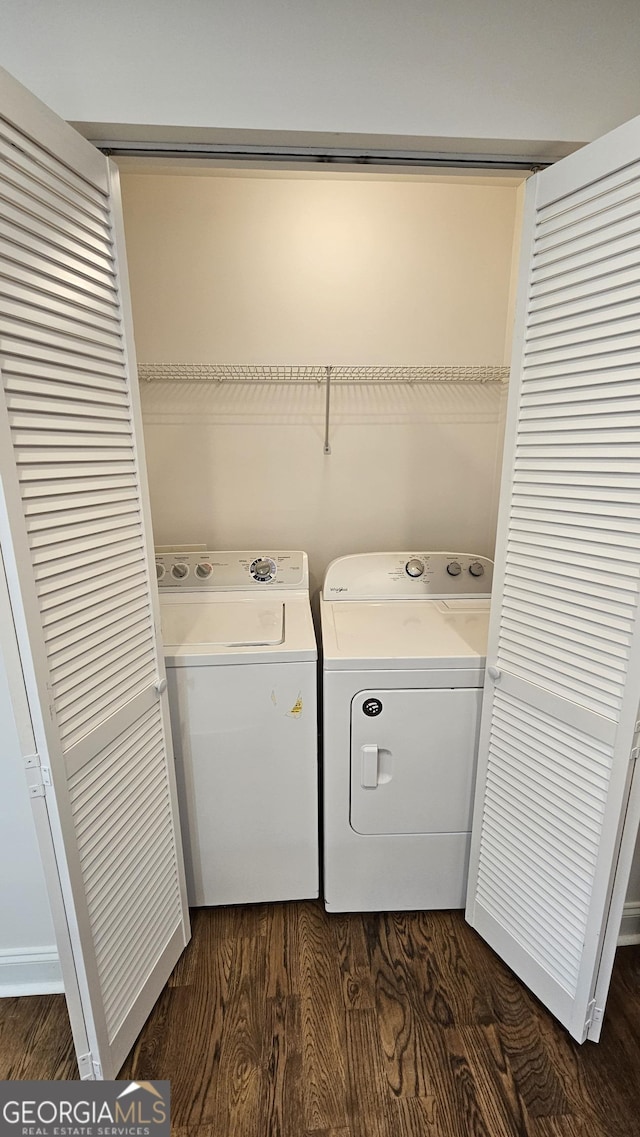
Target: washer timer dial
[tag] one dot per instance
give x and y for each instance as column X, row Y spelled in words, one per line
column 263, row 569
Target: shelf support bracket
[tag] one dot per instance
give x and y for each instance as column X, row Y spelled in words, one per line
column 327, row 409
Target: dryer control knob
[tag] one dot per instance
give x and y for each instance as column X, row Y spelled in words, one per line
column 414, row 567
column 454, row 568
column 204, row 570
column 179, row 571
column 476, row 569
column 160, row 570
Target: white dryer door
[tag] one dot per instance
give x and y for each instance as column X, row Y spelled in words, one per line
column 413, row 757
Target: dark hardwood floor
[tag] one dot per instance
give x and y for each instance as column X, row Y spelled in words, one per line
column 281, row 1021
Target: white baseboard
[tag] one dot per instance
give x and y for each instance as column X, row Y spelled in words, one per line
column 30, row 972
column 630, row 926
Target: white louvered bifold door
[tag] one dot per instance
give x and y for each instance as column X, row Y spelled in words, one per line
column 75, row 534
column 563, row 665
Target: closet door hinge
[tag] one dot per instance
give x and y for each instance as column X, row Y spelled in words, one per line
column 89, row 1067
column 38, row 776
column 594, row 1015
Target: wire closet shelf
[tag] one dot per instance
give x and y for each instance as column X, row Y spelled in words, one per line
column 314, row 373
column 287, row 373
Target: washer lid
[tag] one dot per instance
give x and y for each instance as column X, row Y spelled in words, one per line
column 232, row 624
column 399, row 634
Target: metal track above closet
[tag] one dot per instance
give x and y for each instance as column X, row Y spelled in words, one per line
column 327, row 374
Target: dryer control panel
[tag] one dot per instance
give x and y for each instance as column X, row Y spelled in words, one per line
column 408, row 576
column 199, row 569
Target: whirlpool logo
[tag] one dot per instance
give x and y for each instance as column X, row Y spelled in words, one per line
column 85, row 1109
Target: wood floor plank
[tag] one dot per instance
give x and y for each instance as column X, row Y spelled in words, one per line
column 322, row 1022
column 497, row 1095
column 564, row 1127
column 415, row 1117
column 450, row 991
column 326, row 1133
column 35, row 1034
column 282, row 970
column 403, row 1058
column 367, row 1101
column 357, row 988
column 241, row 1092
column 284, row 1106
column 484, row 1110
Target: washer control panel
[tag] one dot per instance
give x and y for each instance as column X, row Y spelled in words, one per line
column 408, row 576
column 250, row 570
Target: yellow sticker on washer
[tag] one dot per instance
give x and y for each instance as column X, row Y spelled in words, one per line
column 296, row 709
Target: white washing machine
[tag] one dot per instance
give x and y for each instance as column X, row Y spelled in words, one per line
column 404, row 642
column 241, row 660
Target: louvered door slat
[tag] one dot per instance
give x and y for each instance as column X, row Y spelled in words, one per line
column 71, row 357
column 558, row 714
column 37, row 192
column 59, row 329
column 552, row 298
column 132, row 650
column 78, row 515
column 46, row 306
column 50, row 273
column 577, row 568
column 68, row 579
column 68, row 654
column 14, row 274
column 588, row 490
column 23, row 340
column 589, row 199
column 584, row 301
column 51, row 573
column 46, row 229
column 20, row 161
column 620, row 214
column 594, row 321
column 129, row 640
column 43, row 507
column 52, row 163
column 72, row 261
column 548, row 394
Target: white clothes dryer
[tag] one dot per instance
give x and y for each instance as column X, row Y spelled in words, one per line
column 241, row 659
column 404, row 643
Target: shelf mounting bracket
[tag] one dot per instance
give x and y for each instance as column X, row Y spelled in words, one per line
column 327, row 409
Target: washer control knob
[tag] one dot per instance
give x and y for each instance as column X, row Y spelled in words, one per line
column 454, row 568
column 160, row 570
column 476, row 569
column 179, row 571
column 414, row 567
column 263, row 569
column 204, row 570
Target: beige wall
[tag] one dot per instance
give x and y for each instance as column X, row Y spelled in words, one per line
column 316, row 270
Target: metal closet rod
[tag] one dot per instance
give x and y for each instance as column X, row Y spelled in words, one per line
column 255, row 373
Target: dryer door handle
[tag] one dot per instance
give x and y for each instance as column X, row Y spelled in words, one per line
column 369, row 775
